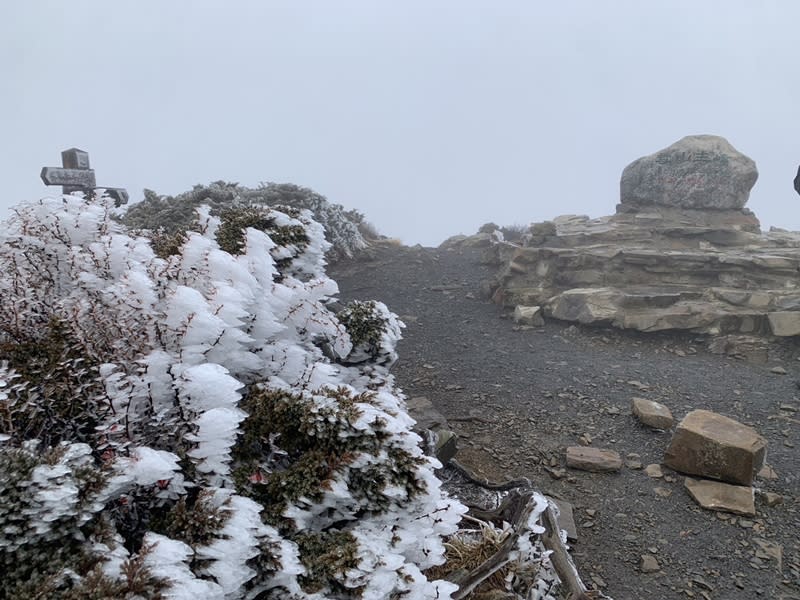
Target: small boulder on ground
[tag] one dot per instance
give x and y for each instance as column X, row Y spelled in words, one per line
column 593, row 459
column 651, row 413
column 714, row 495
column 711, row 445
column 529, row 315
column 649, row 564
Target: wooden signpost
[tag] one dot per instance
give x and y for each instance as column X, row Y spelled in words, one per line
column 75, row 175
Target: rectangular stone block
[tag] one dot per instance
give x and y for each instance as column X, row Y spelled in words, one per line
column 711, row 445
column 597, row 460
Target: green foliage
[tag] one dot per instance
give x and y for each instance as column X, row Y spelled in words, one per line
column 322, row 441
column 513, row 233
column 195, row 519
column 364, row 325
column 57, row 399
column 174, row 215
column 166, row 244
column 327, row 557
column 231, row 232
column 41, row 542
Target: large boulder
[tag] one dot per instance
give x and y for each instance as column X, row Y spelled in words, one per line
column 714, row 446
column 697, row 172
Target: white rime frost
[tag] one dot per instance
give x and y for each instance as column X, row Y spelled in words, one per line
column 170, row 347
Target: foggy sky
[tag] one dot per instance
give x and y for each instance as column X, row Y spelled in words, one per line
column 431, row 117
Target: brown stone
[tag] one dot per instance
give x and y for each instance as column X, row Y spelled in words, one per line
column 711, row 445
column 654, row 471
column 715, row 495
column 767, row 472
column 651, row 413
column 593, row 459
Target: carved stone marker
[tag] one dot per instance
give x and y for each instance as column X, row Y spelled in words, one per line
column 698, row 172
column 75, row 175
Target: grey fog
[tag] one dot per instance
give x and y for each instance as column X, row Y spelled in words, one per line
column 431, row 118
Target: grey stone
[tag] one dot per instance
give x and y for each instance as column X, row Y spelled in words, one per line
column 446, row 445
column 715, row 495
column 423, row 412
column 529, row 315
column 778, row 370
column 566, row 518
column 651, row 413
column 711, row 445
column 593, row 459
column 697, row 172
column 649, row 564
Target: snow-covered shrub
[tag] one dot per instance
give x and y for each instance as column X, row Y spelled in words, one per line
column 167, row 216
column 170, row 426
column 373, row 331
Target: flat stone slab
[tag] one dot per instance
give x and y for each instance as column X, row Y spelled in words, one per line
column 596, row 460
column 715, row 495
column 566, row 518
column 651, row 413
column 714, row 446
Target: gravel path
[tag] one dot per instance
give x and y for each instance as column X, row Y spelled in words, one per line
column 518, row 397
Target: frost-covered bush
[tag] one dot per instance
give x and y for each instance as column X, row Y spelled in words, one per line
column 169, row 215
column 188, row 420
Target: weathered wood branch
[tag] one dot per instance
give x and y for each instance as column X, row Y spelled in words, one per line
column 515, row 509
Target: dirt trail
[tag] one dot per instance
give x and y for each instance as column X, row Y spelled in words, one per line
column 517, row 398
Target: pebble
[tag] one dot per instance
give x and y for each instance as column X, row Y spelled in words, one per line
column 654, row 471
column 663, row 492
column 778, row 370
column 649, row 564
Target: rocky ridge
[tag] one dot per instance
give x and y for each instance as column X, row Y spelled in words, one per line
column 691, row 258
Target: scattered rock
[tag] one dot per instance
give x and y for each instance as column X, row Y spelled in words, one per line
column 593, row 459
column 769, row 551
column 711, row 445
column 773, row 499
column 649, row 564
column 778, row 370
column 715, row 495
column 663, row 492
column 529, row 315
column 651, row 413
column 768, row 473
column 654, row 471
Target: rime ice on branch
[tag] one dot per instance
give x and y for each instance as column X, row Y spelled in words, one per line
column 169, row 422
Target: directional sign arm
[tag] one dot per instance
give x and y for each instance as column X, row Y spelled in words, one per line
column 79, row 178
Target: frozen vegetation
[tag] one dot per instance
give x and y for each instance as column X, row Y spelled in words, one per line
column 345, row 230
column 194, row 422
